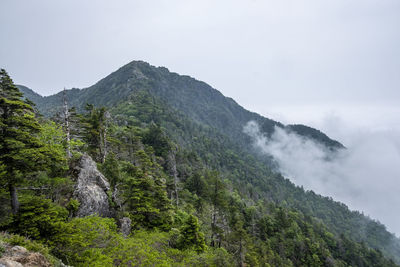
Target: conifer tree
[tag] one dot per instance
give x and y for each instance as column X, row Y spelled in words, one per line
column 217, row 195
column 95, row 124
column 191, row 237
column 145, row 195
column 21, row 151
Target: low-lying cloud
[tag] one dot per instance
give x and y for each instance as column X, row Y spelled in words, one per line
column 365, row 176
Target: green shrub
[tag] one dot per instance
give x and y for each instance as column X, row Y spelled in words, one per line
column 86, row 241
column 73, row 206
column 38, row 218
column 2, row 249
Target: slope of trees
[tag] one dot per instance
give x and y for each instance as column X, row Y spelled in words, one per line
column 194, row 197
column 252, row 175
column 22, row 152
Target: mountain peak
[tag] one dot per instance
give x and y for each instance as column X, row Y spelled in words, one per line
column 141, row 68
column 196, row 99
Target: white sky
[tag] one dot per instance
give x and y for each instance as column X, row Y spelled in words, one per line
column 331, row 64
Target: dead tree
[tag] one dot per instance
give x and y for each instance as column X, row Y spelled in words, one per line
column 66, row 124
column 174, row 173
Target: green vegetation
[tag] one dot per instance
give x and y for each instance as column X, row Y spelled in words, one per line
column 22, row 151
column 194, row 195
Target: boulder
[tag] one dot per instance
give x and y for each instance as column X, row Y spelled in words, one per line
column 91, row 189
column 125, row 226
column 17, row 256
column 10, row 263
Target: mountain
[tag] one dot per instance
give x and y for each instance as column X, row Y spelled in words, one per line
column 201, row 119
column 31, row 95
column 199, row 101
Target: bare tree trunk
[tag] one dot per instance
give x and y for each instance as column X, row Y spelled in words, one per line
column 104, row 146
column 14, row 199
column 241, row 253
column 252, row 225
column 66, row 121
column 103, row 143
column 174, row 174
column 213, row 226
column 130, row 148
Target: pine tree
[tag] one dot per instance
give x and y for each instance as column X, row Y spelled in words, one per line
column 190, row 236
column 145, row 194
column 21, row 151
column 238, row 238
column 218, row 199
column 95, row 123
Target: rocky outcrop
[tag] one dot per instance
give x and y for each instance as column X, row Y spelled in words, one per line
column 91, row 189
column 125, row 226
column 17, row 256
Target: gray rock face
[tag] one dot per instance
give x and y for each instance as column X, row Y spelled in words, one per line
column 125, row 226
column 91, row 189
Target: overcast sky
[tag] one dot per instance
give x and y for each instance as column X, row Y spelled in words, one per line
column 332, row 64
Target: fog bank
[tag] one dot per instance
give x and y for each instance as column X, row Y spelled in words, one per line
column 365, row 176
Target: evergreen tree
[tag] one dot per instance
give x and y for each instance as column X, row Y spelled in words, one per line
column 218, row 200
column 21, row 151
column 156, row 138
column 238, row 239
column 111, row 169
column 190, row 236
column 145, row 194
column 95, row 123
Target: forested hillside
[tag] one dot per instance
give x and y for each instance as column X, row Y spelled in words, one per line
column 199, row 101
column 180, row 184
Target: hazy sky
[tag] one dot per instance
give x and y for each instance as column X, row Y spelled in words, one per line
column 332, row 64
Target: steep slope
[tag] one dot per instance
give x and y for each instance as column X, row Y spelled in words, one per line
column 200, row 118
column 247, row 172
column 31, row 95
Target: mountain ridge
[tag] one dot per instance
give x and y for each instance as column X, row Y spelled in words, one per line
column 181, row 92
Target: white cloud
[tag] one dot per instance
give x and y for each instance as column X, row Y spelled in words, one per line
column 365, row 176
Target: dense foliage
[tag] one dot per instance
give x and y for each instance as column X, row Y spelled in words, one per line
column 195, row 197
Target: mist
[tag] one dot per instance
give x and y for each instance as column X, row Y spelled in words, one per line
column 364, row 176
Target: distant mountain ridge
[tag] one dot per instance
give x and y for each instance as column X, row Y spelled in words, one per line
column 196, row 99
column 31, row 95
